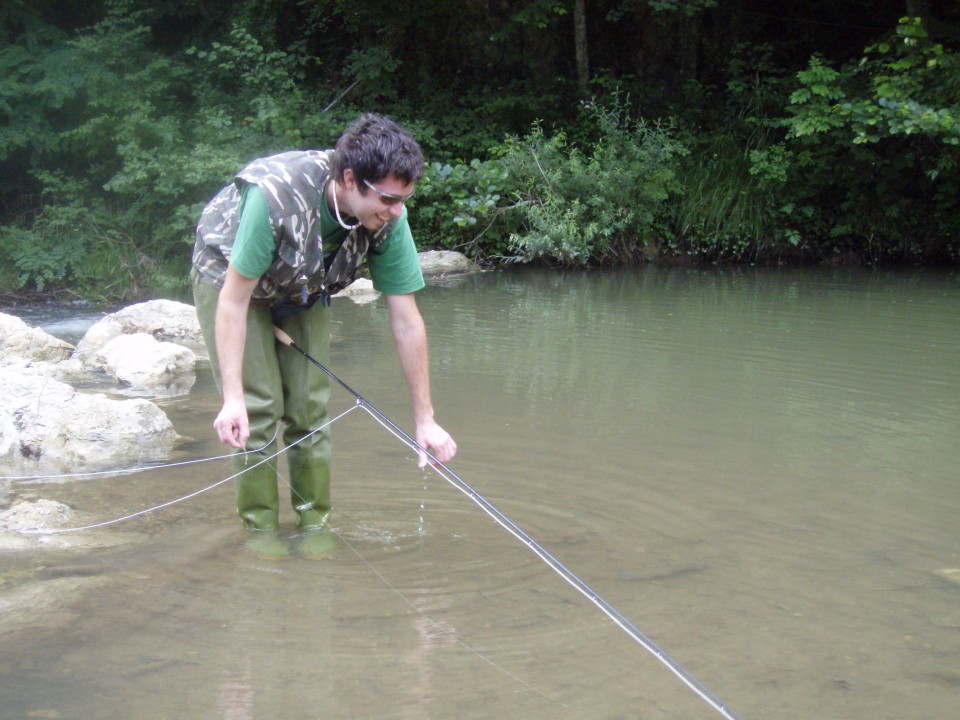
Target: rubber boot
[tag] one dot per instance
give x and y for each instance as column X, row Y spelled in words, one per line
column 310, row 495
column 258, row 502
column 317, row 544
column 310, row 492
column 267, row 544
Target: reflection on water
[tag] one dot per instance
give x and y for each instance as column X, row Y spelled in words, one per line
column 756, row 468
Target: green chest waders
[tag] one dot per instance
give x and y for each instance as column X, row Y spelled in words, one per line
column 279, row 385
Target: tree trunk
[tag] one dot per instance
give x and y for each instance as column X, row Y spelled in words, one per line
column 580, row 45
column 688, row 45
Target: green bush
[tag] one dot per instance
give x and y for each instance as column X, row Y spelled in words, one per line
column 74, row 249
column 463, row 207
column 733, row 205
column 874, row 149
column 604, row 204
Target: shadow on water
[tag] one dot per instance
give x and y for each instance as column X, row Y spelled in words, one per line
column 757, row 468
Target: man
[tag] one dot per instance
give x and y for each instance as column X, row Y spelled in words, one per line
column 291, row 230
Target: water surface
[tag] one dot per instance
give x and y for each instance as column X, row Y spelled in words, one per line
column 757, row 468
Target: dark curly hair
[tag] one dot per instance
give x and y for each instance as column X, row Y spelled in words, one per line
column 375, row 147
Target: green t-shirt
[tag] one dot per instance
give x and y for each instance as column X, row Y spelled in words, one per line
column 394, row 266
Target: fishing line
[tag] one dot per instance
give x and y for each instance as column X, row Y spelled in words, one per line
column 120, row 471
column 507, row 524
column 139, row 469
column 58, row 531
column 492, row 511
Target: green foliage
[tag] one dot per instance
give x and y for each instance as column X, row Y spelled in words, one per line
column 462, row 206
column 756, row 85
column 103, row 119
column 543, row 197
column 68, row 247
column 119, row 119
column 732, row 205
column 37, row 263
column 818, row 95
column 685, row 7
column 873, row 148
column 265, row 85
column 901, row 88
column 538, row 14
column 600, row 205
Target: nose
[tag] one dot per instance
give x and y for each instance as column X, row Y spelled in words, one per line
column 396, row 209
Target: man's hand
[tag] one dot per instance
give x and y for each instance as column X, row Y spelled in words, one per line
column 434, row 438
column 232, row 424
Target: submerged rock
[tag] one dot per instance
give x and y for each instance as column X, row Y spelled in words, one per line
column 35, row 515
column 950, row 575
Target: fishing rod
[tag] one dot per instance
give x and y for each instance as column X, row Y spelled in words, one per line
column 506, row 523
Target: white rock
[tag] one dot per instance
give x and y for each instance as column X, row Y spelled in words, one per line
column 98, row 335
column 165, row 320
column 360, row 291
column 34, row 515
column 143, row 363
column 434, row 262
column 55, row 424
column 9, row 436
column 19, row 341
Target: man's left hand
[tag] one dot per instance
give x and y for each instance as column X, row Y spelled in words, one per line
column 434, row 438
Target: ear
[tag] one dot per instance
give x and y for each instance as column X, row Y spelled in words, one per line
column 349, row 179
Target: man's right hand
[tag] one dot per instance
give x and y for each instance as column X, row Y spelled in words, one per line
column 232, row 425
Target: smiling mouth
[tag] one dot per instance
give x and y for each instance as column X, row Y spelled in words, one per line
column 375, row 222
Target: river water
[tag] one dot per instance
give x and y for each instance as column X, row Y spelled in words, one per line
column 758, row 469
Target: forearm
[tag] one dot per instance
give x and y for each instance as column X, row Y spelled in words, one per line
column 410, row 336
column 411, row 339
column 231, row 334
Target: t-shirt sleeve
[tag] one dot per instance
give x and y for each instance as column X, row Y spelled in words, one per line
column 254, row 248
column 395, row 265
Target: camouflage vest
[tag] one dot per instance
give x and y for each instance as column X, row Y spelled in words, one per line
column 292, row 184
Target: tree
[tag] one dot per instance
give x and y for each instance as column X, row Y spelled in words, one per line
column 878, row 144
column 580, row 43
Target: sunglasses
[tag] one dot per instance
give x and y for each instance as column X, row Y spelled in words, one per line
column 385, row 197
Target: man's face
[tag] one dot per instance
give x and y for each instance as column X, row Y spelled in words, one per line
column 373, row 204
